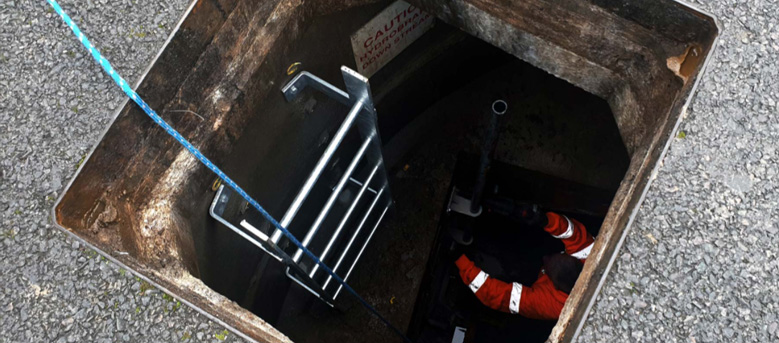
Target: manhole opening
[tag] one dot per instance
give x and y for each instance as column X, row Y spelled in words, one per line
column 592, row 91
column 434, row 102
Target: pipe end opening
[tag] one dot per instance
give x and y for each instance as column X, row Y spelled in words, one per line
column 499, row 107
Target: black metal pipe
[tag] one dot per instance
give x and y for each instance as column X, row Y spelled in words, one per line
column 498, row 108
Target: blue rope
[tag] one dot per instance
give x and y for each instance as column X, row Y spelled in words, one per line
column 194, row 151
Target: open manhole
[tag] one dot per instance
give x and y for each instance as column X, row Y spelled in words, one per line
column 594, row 92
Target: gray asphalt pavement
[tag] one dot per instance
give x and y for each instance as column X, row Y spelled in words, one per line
column 699, row 265
column 55, row 101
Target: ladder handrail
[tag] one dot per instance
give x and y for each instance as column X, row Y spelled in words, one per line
column 320, row 166
column 221, row 197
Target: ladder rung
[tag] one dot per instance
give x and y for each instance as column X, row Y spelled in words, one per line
column 354, row 236
column 320, row 165
column 333, row 196
column 362, row 249
column 358, row 183
column 249, row 227
column 345, row 218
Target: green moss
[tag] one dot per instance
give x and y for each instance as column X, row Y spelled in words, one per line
column 222, row 335
column 10, row 233
column 186, row 336
column 122, row 271
column 81, row 161
column 145, row 286
column 681, row 135
column 632, row 288
column 90, row 253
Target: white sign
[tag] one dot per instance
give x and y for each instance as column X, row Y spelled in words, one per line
column 387, row 34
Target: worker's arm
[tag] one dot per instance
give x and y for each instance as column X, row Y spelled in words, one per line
column 578, row 242
column 540, row 301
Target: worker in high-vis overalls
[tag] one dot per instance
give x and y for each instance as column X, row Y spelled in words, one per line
column 545, row 298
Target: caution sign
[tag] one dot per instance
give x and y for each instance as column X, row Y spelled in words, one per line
column 387, row 34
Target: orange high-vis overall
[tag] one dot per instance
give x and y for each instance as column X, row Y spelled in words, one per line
column 541, row 300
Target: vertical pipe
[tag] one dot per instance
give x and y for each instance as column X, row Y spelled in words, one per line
column 498, row 108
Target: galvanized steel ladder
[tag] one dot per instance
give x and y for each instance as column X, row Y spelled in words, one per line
column 354, row 230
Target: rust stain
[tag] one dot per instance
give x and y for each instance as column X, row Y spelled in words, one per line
column 197, row 6
column 685, row 64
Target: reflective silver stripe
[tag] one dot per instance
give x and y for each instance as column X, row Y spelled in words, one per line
column 568, row 233
column 516, row 296
column 478, row 281
column 582, row 254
